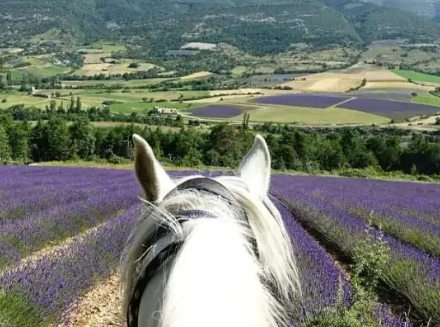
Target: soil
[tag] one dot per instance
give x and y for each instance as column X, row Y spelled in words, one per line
column 100, row 307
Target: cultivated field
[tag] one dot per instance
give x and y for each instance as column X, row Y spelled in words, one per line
column 121, row 67
column 418, row 77
column 130, row 83
column 62, row 238
column 196, row 75
column 341, row 81
column 359, row 107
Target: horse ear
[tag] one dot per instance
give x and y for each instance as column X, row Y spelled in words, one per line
column 255, row 167
column 153, row 178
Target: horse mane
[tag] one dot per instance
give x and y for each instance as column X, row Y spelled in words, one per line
column 269, row 282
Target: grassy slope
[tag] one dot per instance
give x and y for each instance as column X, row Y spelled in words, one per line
column 418, row 77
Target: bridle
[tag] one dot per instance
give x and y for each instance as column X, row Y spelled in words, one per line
column 168, row 246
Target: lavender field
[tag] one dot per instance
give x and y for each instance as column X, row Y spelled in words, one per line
column 62, row 231
column 217, row 111
column 391, row 109
column 303, row 100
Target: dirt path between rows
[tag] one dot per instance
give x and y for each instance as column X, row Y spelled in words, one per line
column 99, row 307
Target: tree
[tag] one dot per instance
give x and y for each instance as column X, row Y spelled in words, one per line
column 38, row 142
column 53, row 105
column 19, row 142
column 57, row 139
column 72, row 105
column 78, row 104
column 82, row 138
column 5, row 148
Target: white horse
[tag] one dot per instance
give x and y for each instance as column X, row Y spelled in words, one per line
column 209, row 251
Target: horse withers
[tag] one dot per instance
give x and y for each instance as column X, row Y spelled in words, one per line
column 208, row 251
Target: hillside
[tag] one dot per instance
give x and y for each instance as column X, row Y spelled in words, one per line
column 255, row 26
column 428, row 8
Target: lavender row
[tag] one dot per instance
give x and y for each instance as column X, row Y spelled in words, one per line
column 26, row 205
column 386, row 204
column 321, row 281
column 21, row 237
column 50, row 286
column 411, row 272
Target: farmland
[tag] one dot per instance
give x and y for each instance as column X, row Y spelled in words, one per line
column 418, row 77
column 305, row 100
column 391, row 109
column 62, row 239
column 346, row 96
column 314, row 108
column 217, row 111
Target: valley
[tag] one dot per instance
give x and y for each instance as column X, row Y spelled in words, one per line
column 376, row 86
column 343, row 91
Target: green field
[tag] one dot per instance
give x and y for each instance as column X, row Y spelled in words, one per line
column 49, row 35
column 39, row 66
column 16, row 99
column 238, row 70
column 125, row 102
column 427, row 99
column 123, row 83
column 313, row 116
column 129, row 107
column 138, row 96
column 103, row 47
column 41, row 71
column 417, row 77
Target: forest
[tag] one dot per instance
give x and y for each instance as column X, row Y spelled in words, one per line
column 223, row 145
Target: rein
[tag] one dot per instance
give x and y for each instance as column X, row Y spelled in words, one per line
column 168, row 246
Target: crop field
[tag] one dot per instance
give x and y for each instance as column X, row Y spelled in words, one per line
column 397, row 85
column 409, row 214
column 398, row 95
column 313, row 116
column 64, row 230
column 111, row 69
column 46, row 70
column 122, row 83
column 197, row 75
column 15, row 99
column 217, row 111
column 303, row 100
column 325, row 82
column 418, row 77
column 380, row 104
column 427, row 99
column 391, row 109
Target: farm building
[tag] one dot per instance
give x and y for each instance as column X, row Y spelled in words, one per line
column 162, row 111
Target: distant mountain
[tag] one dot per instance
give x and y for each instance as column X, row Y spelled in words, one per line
column 427, row 8
column 255, row 26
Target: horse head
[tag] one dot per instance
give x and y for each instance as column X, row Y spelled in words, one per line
column 208, row 251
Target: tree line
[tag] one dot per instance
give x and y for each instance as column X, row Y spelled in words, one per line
column 222, row 145
column 73, row 111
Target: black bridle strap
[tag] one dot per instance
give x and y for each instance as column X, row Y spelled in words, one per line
column 204, row 184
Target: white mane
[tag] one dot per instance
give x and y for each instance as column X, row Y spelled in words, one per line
column 215, row 279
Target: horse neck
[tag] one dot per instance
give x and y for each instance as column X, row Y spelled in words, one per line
column 215, row 280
